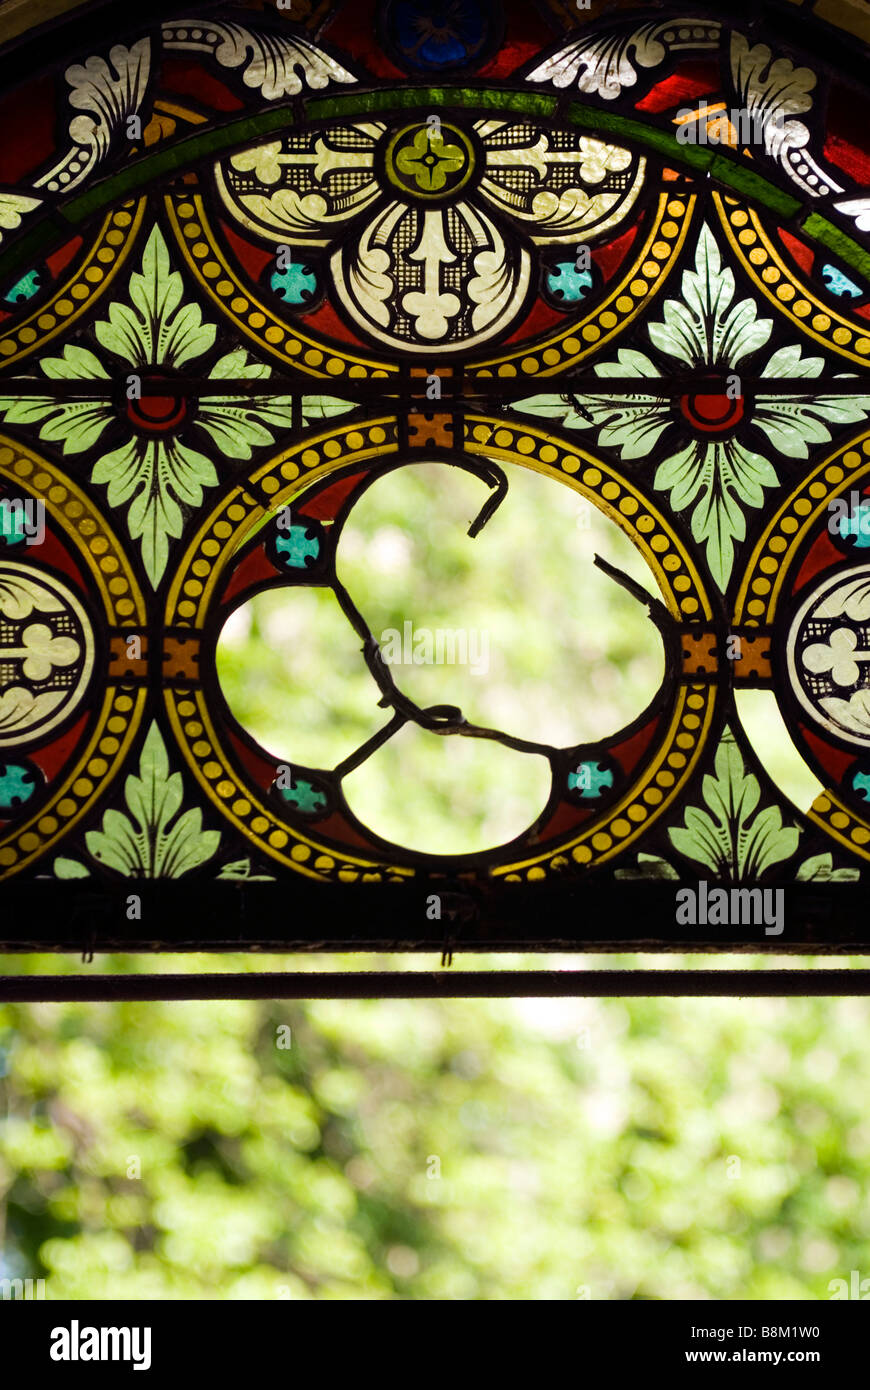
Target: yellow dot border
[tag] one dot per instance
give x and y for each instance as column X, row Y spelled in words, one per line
column 768, row 567
column 637, row 287
column 269, row 486
column 237, row 801
column 275, row 483
column 82, row 523
column 80, row 292
column 80, row 789
column 659, row 786
column 616, row 495
column 252, row 317
column 839, row 821
column 768, row 270
column 843, row 470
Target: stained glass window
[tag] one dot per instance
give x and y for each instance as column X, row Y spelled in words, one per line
column 259, row 259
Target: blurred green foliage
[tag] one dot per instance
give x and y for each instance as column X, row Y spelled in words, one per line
column 436, row 1150
column 439, row 1150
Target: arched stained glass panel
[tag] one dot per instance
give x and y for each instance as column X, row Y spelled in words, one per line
column 256, row 261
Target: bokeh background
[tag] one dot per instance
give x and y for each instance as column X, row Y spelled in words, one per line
column 516, row 1149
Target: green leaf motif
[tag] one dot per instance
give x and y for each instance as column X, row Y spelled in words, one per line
column 164, row 332
column 151, row 476
column 723, row 478
column 76, row 425
column 632, row 423
column 239, row 871
column 719, row 479
column 703, row 328
column 819, row 868
column 733, row 839
column 145, row 844
column 792, row 423
column 237, row 424
column 315, row 408
column 69, row 868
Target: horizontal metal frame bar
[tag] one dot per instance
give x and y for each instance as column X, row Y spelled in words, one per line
column 588, row 915
column 447, row 984
column 472, row 389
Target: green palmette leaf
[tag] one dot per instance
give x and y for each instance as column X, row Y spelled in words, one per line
column 733, row 838
column 146, row 843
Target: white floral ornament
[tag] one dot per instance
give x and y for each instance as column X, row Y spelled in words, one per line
column 718, row 477
column 827, row 654
column 607, row 62
column 430, row 262
column 858, row 209
column 106, row 92
column 277, row 65
column 154, row 470
column 110, row 91
column 14, row 206
column 768, row 87
column 776, row 93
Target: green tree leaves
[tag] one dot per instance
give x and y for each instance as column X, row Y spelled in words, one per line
column 581, row 1143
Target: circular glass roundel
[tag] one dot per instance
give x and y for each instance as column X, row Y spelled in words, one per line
column 430, row 161
column 829, row 655
column 437, row 35
column 46, row 653
column 605, row 785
